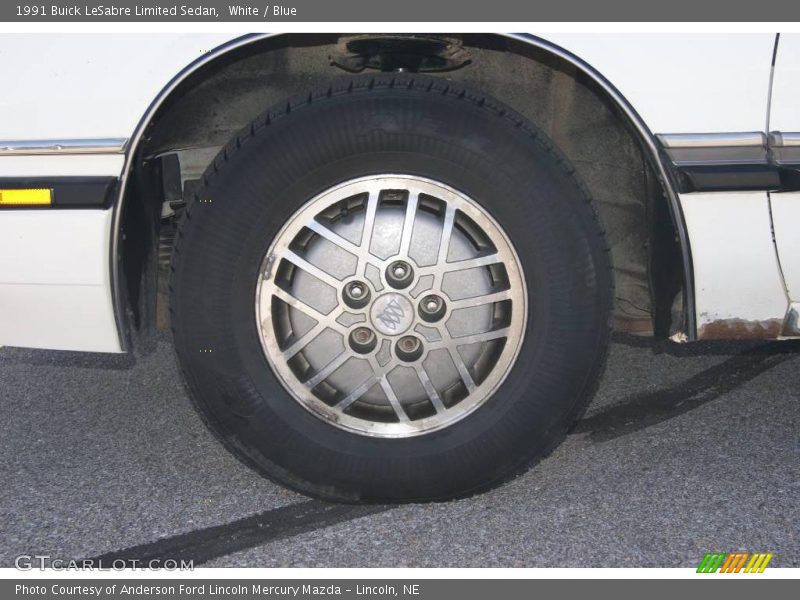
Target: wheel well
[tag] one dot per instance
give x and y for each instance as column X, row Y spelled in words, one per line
column 206, row 110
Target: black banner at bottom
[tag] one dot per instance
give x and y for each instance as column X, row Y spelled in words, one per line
column 402, row 589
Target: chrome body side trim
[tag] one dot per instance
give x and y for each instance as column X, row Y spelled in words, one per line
column 715, row 148
column 712, row 140
column 649, row 143
column 785, row 148
column 62, row 146
column 746, row 161
column 784, row 139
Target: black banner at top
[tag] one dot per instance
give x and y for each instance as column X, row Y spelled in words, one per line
column 440, row 11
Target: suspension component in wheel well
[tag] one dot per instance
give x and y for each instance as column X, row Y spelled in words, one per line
column 415, row 53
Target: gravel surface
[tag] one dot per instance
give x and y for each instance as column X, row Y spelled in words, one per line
column 685, row 450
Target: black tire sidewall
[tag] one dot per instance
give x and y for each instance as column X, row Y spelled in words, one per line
column 485, row 153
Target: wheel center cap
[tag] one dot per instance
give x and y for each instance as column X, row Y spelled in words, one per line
column 392, row 314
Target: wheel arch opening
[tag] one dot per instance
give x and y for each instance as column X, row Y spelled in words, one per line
column 612, row 150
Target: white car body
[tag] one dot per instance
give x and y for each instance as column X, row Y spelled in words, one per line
column 91, row 94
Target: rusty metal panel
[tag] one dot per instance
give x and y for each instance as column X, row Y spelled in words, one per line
column 738, row 283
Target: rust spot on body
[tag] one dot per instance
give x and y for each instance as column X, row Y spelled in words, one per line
column 741, row 329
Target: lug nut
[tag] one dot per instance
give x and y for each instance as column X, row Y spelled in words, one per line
column 399, row 274
column 363, row 340
column 432, row 308
column 356, row 294
column 408, row 348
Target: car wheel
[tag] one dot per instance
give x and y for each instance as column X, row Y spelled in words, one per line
column 393, row 288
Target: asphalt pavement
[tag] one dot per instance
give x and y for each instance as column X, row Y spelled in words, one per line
column 685, row 450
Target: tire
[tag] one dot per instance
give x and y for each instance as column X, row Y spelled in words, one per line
column 423, row 129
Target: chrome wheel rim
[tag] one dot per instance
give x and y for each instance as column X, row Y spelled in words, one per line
column 391, row 306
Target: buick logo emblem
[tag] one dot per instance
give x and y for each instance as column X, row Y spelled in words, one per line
column 392, row 314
